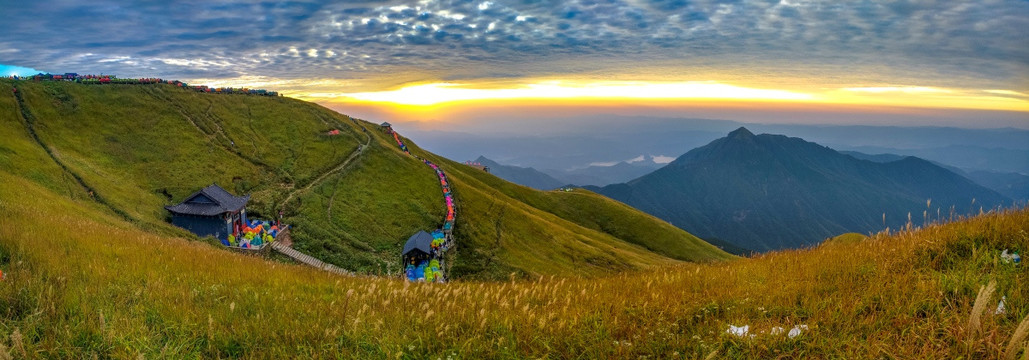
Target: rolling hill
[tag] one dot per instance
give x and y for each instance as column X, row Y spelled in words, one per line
column 767, row 192
column 137, row 148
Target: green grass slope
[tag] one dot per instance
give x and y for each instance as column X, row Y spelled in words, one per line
column 84, row 283
column 142, row 147
column 588, row 211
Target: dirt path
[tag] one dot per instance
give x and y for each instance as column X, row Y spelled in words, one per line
column 320, row 178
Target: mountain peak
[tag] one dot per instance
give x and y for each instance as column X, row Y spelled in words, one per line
column 741, row 133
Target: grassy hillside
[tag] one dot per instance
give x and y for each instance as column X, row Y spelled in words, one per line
column 140, row 147
column 81, row 282
column 848, row 238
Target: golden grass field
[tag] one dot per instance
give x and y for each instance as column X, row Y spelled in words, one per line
column 82, row 284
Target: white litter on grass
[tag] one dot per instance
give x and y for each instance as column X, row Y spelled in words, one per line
column 1001, row 310
column 739, row 331
column 744, row 331
column 796, row 330
column 1007, row 257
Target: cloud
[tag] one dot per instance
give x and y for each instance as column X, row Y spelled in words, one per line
column 927, row 43
column 661, row 159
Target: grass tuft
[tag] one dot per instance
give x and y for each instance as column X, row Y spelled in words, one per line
column 1016, row 340
column 982, row 301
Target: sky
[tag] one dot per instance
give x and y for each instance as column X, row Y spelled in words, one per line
column 960, row 63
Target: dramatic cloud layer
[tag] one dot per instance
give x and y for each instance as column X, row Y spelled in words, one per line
column 373, row 45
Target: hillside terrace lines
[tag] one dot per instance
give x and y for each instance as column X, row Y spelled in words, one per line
column 29, row 121
column 212, row 135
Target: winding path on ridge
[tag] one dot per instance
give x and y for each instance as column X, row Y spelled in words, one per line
column 451, row 218
column 448, row 222
column 287, row 249
column 320, row 178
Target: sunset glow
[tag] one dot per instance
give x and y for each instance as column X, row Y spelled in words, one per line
column 431, row 94
column 423, row 98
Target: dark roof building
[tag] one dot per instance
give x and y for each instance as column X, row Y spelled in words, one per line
column 418, row 244
column 210, row 201
column 386, row 124
column 210, row 211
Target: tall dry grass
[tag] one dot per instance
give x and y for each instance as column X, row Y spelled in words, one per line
column 81, row 283
column 1017, row 339
column 982, row 301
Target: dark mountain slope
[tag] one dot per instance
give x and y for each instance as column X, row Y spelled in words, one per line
column 1012, row 185
column 765, row 192
column 521, row 175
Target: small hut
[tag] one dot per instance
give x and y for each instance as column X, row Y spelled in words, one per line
column 210, row 211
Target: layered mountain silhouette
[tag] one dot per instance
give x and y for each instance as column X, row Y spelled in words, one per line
column 526, row 176
column 549, row 179
column 1012, row 185
column 604, row 175
column 767, row 192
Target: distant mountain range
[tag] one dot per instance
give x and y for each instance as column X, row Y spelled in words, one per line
column 521, row 175
column 767, row 192
column 598, row 175
column 1012, row 185
column 577, row 142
